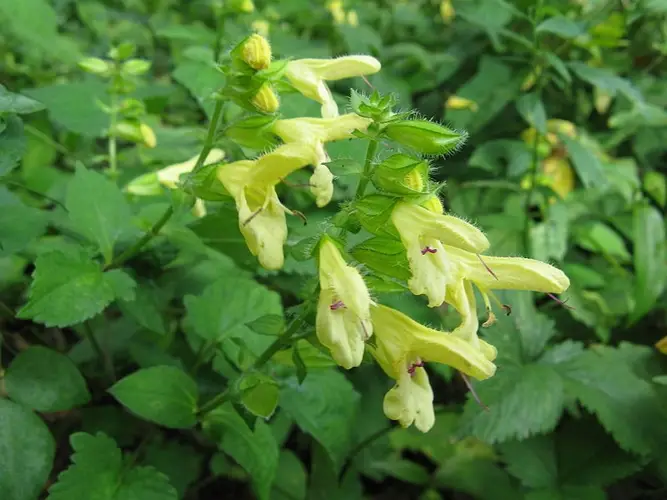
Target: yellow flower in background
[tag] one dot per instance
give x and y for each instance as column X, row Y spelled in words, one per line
column 317, row 132
column 494, row 273
column 353, row 18
column 266, row 100
column 148, row 135
column 309, row 76
column 447, row 12
column 343, row 314
column 456, row 102
column 335, row 7
column 261, row 26
column 424, row 233
column 661, row 345
column 261, row 215
column 402, row 346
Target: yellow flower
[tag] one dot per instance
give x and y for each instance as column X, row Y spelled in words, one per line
column 266, row 100
column 261, row 215
column 343, row 314
column 335, row 7
column 447, row 12
column 456, row 102
column 309, row 76
column 261, row 26
column 256, row 52
column 509, row 273
column 317, row 131
column 148, row 135
column 424, row 234
column 353, row 18
column 402, row 348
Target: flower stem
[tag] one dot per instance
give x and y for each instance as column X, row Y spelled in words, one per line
column 279, row 343
column 366, row 175
column 210, row 136
column 113, row 118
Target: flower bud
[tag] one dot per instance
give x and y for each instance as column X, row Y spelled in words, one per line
column 401, row 174
column 256, row 52
column 433, row 204
column 266, row 100
column 447, row 12
column 456, row 102
column 148, row 135
column 426, row 137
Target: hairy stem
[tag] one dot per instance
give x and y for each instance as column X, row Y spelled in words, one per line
column 113, row 119
column 366, row 175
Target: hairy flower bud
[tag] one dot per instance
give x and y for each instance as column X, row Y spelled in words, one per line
column 266, row 100
column 256, row 52
column 401, row 174
column 424, row 136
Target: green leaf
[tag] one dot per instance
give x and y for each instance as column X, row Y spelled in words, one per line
column 20, row 225
column 561, row 26
column 97, row 472
column 12, row 144
column 27, row 450
column 291, row 479
column 325, row 407
column 17, row 103
column 269, row 324
column 201, row 77
column 626, row 405
column 600, row 238
column 522, row 401
column 568, row 493
column 145, row 309
column 225, row 308
column 259, row 394
column 586, row 164
column 98, row 209
column 45, row 380
column 650, row 259
column 605, row 79
column 533, row 461
column 75, row 106
column 497, row 154
column 655, row 184
column 531, row 109
column 162, row 394
column 256, row 451
column 69, row 289
column 181, row 463
column 383, row 255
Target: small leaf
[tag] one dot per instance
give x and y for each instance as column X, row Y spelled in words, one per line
column 588, row 167
column 98, row 209
column 69, row 289
column 97, row 472
column 17, row 103
column 269, row 324
column 46, row 381
column 650, row 259
column 655, row 184
column 324, row 406
column 532, row 110
column 162, row 394
column 20, row 225
column 26, row 452
column 12, row 144
column 561, row 26
column 259, row 394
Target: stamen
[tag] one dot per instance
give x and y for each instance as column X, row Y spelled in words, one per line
column 413, row 367
column 473, row 392
column 337, row 305
column 561, row 302
column 301, row 216
column 428, row 249
column 507, row 308
column 487, row 267
column 252, row 216
column 367, row 82
column 363, row 327
column 489, row 311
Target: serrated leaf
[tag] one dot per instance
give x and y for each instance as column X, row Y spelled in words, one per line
column 269, row 324
column 259, row 394
column 324, row 406
column 144, row 308
column 256, row 451
column 45, row 380
column 225, row 307
column 17, row 103
column 650, row 259
column 625, row 404
column 26, row 452
column 522, row 401
column 97, row 472
column 69, row 289
column 12, row 144
column 532, row 460
column 162, row 394
column 181, row 463
column 98, row 210
column 20, row 225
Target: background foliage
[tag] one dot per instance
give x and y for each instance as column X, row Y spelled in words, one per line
column 107, row 367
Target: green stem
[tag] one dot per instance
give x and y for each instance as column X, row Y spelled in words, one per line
column 45, row 139
column 113, row 117
column 136, row 248
column 282, row 341
column 366, row 175
column 106, row 360
column 210, row 136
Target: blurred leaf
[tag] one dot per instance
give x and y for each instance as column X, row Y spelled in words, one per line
column 201, row 77
column 605, row 79
column 20, row 225
column 17, row 103
column 46, row 381
column 12, row 143
column 165, row 395
column 655, row 184
column 561, row 26
column 291, row 478
column 69, row 289
column 27, row 450
column 325, row 407
column 600, row 238
column 98, row 210
column 181, row 463
column 650, row 259
column 533, row 461
column 588, row 167
column 145, row 309
column 495, row 155
column 97, row 471
column 531, row 109
column 74, row 105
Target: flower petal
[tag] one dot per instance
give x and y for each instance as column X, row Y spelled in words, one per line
column 411, row 401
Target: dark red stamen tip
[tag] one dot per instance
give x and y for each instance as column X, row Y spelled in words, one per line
column 487, row 267
column 428, row 249
column 507, row 309
column 336, row 305
column 561, row 302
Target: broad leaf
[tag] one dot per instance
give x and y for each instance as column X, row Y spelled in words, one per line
column 162, row 394
column 17, row 103
column 45, row 380
column 12, row 144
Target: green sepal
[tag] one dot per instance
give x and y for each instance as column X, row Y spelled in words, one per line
column 390, row 175
column 374, row 214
